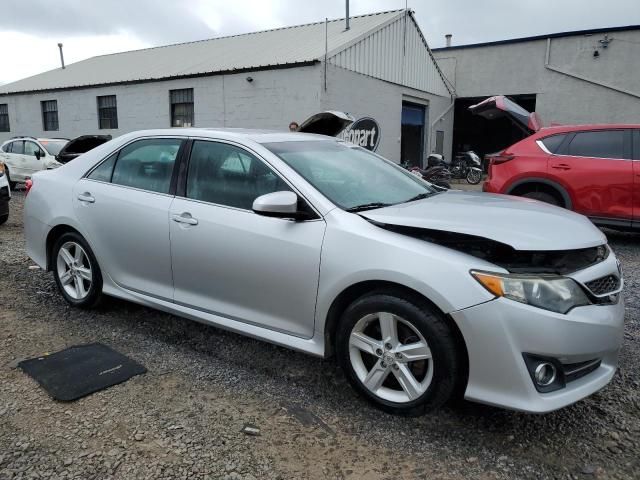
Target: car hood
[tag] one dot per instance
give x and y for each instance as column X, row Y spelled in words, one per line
column 500, row 106
column 80, row 145
column 329, row 123
column 522, row 223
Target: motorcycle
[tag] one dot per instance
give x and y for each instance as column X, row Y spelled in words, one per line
column 467, row 165
column 436, row 172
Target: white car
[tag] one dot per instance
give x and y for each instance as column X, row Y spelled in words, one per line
column 24, row 156
column 5, row 195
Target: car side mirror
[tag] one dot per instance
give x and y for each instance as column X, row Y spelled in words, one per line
column 280, row 205
column 37, row 154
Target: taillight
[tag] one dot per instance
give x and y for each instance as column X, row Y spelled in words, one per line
column 1, row 169
column 502, row 157
column 28, row 184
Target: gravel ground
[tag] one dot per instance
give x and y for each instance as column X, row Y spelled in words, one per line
column 183, row 419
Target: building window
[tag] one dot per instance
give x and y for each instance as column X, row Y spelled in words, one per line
column 181, row 107
column 4, row 117
column 49, row 115
column 107, row 112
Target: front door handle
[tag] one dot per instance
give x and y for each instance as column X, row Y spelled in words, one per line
column 561, row 166
column 184, row 217
column 86, row 197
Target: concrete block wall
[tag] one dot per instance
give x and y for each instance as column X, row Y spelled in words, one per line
column 519, row 68
column 271, row 100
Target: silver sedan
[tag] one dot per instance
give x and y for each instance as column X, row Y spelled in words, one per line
column 314, row 244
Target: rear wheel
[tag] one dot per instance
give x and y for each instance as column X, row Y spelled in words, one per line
column 4, row 218
column 543, row 197
column 399, row 354
column 76, row 271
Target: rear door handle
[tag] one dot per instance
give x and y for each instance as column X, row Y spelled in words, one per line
column 184, row 217
column 86, row 197
column 561, row 166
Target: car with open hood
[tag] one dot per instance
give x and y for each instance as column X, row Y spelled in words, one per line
column 590, row 169
column 79, row 145
column 319, row 245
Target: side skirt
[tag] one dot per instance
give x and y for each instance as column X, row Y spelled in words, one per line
column 313, row 346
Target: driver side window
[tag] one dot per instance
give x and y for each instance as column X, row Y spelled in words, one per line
column 30, row 148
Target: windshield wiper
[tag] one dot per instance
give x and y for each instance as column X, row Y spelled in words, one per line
column 367, row 206
column 419, row 197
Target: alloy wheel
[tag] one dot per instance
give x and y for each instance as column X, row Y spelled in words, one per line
column 74, row 270
column 390, row 357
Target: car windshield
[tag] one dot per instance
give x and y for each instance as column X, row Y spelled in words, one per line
column 351, row 177
column 53, row 146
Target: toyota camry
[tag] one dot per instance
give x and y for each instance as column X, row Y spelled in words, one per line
column 318, row 245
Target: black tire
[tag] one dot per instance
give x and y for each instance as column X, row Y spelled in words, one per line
column 474, row 177
column 4, row 218
column 543, row 197
column 94, row 293
column 446, row 366
column 12, row 185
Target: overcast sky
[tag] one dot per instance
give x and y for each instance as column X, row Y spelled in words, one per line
column 31, row 29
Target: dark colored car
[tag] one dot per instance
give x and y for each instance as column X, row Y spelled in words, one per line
column 80, row 145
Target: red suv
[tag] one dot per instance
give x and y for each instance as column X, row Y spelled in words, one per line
column 591, row 169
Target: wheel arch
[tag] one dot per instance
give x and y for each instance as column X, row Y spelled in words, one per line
column 54, row 234
column 527, row 184
column 357, row 290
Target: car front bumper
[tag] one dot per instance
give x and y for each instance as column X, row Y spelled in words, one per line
column 497, row 334
column 5, row 196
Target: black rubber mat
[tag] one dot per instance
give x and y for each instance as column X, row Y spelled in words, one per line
column 80, row 370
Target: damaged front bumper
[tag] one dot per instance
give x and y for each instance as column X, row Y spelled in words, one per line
column 503, row 335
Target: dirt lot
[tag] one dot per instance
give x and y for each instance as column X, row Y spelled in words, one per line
column 183, row 419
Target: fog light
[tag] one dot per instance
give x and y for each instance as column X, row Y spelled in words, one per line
column 545, row 374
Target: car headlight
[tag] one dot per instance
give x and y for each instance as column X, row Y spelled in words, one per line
column 1, row 169
column 551, row 292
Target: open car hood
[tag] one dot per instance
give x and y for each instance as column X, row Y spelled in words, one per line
column 329, row 123
column 521, row 223
column 500, row 106
column 80, row 145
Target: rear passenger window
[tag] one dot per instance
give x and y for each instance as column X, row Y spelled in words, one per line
column 17, row 147
column 105, row 170
column 600, row 144
column 227, row 175
column 147, row 164
column 7, row 148
column 553, row 142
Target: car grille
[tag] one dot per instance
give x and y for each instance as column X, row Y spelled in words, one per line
column 604, row 285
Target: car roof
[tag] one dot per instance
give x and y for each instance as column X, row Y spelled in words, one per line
column 543, row 132
column 256, row 135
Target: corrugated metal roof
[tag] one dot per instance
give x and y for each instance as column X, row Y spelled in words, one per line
column 397, row 52
column 283, row 46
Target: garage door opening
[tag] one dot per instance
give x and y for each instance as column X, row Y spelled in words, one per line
column 472, row 132
column 412, row 134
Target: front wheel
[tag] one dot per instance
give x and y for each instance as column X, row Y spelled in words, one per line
column 12, row 184
column 76, row 271
column 474, row 176
column 398, row 353
column 4, row 218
